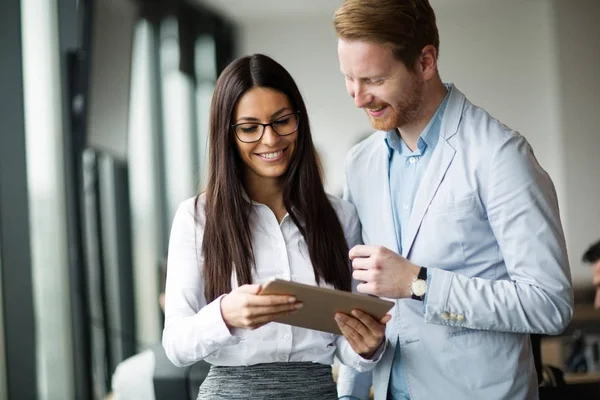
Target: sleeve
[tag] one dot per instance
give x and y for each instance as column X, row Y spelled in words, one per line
column 352, row 384
column 344, row 352
column 193, row 329
column 523, row 213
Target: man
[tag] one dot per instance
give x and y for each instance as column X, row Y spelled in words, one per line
column 592, row 256
column 460, row 223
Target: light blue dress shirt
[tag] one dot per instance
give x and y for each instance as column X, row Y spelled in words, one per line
column 405, row 172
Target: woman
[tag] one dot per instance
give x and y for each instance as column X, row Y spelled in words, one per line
column 264, row 214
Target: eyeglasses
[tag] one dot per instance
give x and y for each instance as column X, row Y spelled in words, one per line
column 250, row 132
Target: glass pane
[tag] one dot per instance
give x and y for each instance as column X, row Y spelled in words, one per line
column 46, row 188
column 144, row 185
column 178, row 121
column 205, row 58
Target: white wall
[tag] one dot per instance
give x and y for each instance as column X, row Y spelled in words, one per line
column 578, row 42
column 503, row 55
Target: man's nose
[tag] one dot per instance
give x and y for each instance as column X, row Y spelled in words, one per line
column 361, row 98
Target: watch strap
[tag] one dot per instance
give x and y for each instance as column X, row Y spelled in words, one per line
column 422, row 275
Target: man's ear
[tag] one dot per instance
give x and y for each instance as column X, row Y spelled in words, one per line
column 427, row 62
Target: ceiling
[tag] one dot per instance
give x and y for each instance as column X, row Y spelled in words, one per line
column 238, row 10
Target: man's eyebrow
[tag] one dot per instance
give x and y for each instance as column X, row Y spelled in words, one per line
column 367, row 77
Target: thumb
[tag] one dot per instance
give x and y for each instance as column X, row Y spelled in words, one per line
column 386, row 318
column 250, row 289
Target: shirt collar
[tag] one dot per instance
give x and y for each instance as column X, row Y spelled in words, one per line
column 428, row 138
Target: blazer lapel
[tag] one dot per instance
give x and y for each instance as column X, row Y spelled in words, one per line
column 381, row 209
column 438, row 165
column 436, row 170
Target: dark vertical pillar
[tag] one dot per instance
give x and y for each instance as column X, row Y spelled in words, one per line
column 71, row 20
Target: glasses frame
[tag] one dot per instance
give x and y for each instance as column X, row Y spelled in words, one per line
column 234, row 127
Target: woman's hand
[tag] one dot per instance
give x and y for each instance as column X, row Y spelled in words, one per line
column 363, row 332
column 244, row 308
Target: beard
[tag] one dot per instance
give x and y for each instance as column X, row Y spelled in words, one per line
column 405, row 111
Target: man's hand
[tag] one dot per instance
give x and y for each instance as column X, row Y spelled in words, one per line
column 363, row 332
column 383, row 272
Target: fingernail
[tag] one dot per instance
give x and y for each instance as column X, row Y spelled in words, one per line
column 292, row 300
column 299, row 305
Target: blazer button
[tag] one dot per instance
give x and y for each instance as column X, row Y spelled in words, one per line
column 452, row 316
column 460, row 318
column 445, row 316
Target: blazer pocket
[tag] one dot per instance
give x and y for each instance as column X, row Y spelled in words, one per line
column 444, row 207
column 459, row 331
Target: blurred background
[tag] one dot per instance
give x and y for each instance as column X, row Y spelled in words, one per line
column 104, row 110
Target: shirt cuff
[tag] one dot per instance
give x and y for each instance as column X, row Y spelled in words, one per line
column 379, row 352
column 437, row 296
column 427, row 292
column 212, row 325
column 352, row 359
column 374, row 359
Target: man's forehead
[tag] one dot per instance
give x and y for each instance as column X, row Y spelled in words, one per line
column 364, row 58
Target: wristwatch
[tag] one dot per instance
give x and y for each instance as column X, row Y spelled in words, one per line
column 418, row 286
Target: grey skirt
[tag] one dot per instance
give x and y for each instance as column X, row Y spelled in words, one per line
column 288, row 380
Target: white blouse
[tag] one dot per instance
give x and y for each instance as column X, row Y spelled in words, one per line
column 196, row 331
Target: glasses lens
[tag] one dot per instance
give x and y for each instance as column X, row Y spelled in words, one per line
column 286, row 125
column 248, row 132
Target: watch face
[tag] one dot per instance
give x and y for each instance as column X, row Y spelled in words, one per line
column 419, row 287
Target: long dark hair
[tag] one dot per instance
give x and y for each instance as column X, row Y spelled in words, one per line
column 226, row 242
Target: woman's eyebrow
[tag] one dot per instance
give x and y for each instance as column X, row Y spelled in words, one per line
column 272, row 115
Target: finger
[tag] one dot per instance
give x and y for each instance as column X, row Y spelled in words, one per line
column 366, row 288
column 257, row 322
column 270, row 300
column 386, row 318
column 272, row 310
column 358, row 326
column 361, row 250
column 352, row 336
column 367, row 320
column 362, row 263
column 362, row 275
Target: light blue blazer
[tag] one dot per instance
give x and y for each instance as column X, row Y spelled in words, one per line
column 486, row 224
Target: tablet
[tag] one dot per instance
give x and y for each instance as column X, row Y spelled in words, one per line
column 321, row 304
